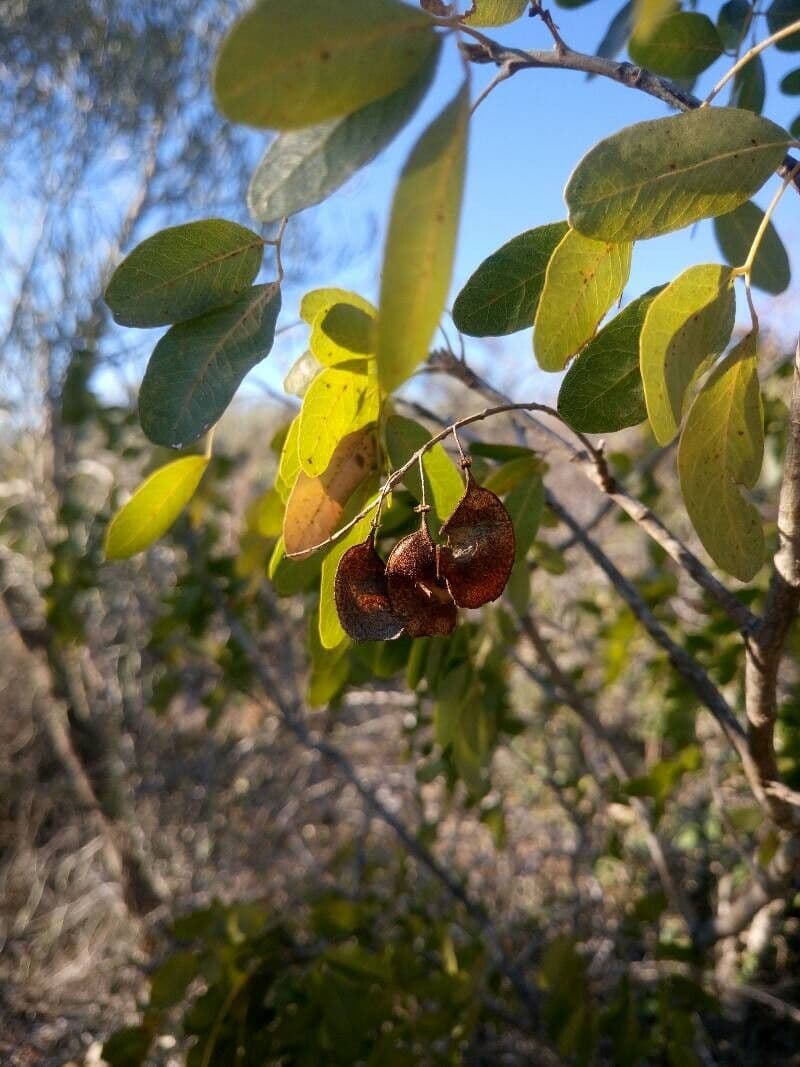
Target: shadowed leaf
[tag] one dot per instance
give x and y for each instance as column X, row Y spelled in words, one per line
column 735, row 233
column 198, row 365
column 720, row 452
column 184, row 271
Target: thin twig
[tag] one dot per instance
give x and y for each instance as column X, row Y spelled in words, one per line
column 757, row 49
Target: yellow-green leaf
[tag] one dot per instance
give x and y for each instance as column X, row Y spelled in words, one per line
column 289, row 462
column 342, row 331
column 154, row 507
column 687, row 324
column 420, row 246
column 584, row 278
column 317, row 300
column 494, row 12
column 286, row 65
column 648, row 14
column 660, row 175
column 683, row 45
column 720, row 452
column 341, row 399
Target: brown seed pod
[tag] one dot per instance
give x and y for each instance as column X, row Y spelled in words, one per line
column 362, row 597
column 479, row 545
column 416, row 592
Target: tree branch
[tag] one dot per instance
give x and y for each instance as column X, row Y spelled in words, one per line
column 766, row 645
column 486, row 50
column 592, row 464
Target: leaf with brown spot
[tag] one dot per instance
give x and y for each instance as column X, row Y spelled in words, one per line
column 315, row 505
column 361, row 592
column 479, row 547
column 417, row 595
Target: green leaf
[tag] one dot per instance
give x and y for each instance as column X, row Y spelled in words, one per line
column 720, row 452
column 649, row 14
column 197, row 366
column 733, row 22
column 184, row 271
column 683, row 45
column 750, row 86
column 502, row 295
column 286, row 65
column 339, row 401
column 790, row 84
column 154, row 507
column 525, row 504
column 781, row 13
column 494, row 12
column 514, row 472
column 341, row 332
column 128, row 1047
column 303, row 167
column 602, row 391
column 292, row 576
column 660, row 175
column 444, row 485
column 420, row 246
column 584, row 278
column 687, row 324
column 170, row 981
column 735, row 233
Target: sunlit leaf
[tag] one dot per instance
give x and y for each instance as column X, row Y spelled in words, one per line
column 286, row 65
column 303, row 167
column 421, row 244
column 649, row 14
column 315, row 506
column 318, row 299
column 584, row 279
column 340, row 332
column 687, row 324
column 184, row 271
column 782, row 13
column 494, row 12
column 735, row 233
column 602, row 391
column 198, row 365
column 502, row 295
column 269, row 514
column 683, row 45
column 444, row 485
column 720, row 452
column 663, row 174
column 338, row 401
column 154, row 507
column 289, row 461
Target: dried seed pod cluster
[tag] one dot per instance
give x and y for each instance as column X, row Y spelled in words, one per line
column 422, row 585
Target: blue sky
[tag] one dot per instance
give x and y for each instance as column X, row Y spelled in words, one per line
column 524, row 142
